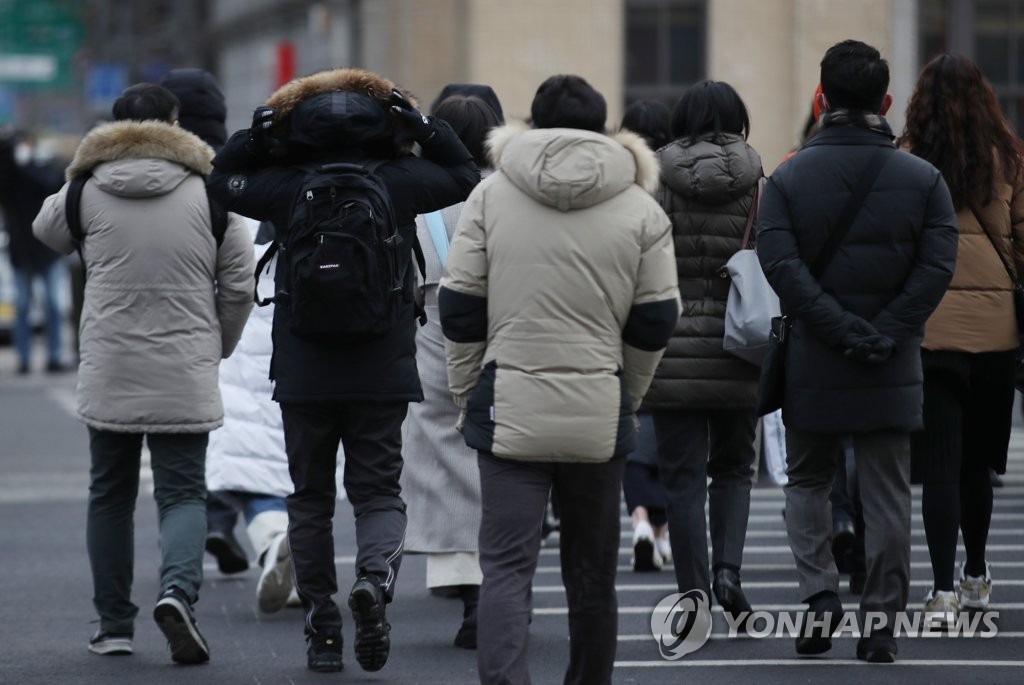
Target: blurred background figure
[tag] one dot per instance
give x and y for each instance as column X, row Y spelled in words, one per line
column 25, row 183
column 702, row 398
column 968, row 353
column 441, row 480
column 645, row 497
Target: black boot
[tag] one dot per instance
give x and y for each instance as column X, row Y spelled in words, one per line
column 223, row 544
column 727, row 590
column 466, row 637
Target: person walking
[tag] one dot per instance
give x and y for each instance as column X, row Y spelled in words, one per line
column 970, row 341
column 556, row 304
column 330, row 390
column 203, row 113
column 163, row 305
column 702, row 398
column 858, row 240
column 440, row 481
column 23, row 188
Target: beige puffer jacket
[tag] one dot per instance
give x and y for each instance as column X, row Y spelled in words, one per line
column 559, row 295
column 163, row 304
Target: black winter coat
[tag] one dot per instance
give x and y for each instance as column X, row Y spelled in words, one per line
column 22, row 192
column 891, row 270
column 707, row 188
column 383, row 369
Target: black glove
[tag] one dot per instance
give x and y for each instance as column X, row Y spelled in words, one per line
column 420, row 126
column 865, row 344
column 261, row 138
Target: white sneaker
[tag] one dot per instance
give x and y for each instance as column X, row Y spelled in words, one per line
column 664, row 548
column 941, row 609
column 645, row 553
column 276, row 580
column 976, row 590
column 293, row 599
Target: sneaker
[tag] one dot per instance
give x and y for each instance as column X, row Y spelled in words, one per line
column 224, row 546
column 110, row 644
column 940, row 609
column 173, row 616
column 324, row 652
column 975, row 591
column 276, row 580
column 664, row 548
column 373, row 634
column 645, row 553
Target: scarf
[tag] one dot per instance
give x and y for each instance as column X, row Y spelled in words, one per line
column 860, row 119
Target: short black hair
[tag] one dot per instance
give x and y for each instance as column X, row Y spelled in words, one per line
column 651, row 120
column 471, row 118
column 854, row 76
column 567, row 101
column 710, row 107
column 145, row 101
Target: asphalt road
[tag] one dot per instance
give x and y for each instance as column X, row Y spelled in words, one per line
column 46, row 616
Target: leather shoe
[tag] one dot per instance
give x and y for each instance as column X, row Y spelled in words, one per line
column 844, row 537
column 231, row 558
column 729, row 594
column 820, row 640
column 879, row 648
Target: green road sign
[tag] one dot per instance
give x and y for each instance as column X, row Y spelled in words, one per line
column 38, row 39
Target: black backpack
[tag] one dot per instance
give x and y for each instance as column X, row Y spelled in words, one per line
column 339, row 276
column 73, row 215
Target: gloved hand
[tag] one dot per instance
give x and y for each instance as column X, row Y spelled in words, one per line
column 864, row 344
column 261, row 138
column 420, row 126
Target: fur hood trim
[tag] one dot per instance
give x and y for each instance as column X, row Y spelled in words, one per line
column 362, row 81
column 648, row 169
column 140, row 140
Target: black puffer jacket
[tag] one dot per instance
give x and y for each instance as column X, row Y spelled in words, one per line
column 22, row 192
column 707, row 188
column 891, row 270
column 336, row 116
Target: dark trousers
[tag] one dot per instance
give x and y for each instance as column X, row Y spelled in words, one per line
column 514, row 495
column 371, row 434
column 693, row 446
column 179, row 487
column 883, row 475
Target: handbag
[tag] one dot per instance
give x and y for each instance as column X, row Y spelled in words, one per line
column 1018, row 304
column 772, row 384
column 752, row 304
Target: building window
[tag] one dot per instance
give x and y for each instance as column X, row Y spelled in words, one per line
column 665, row 48
column 991, row 32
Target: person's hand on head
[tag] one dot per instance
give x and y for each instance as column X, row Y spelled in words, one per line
column 261, row 138
column 419, row 126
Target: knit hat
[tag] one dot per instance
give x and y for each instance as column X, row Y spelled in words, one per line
column 202, row 104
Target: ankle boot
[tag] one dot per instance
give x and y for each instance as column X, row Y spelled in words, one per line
column 470, row 596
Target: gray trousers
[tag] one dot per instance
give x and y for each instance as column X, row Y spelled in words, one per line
column 883, row 474
column 514, row 495
column 179, row 478
column 693, row 446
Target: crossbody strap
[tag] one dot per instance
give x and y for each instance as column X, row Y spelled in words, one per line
column 984, row 229
column 850, row 210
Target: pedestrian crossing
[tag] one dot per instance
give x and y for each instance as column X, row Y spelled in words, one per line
column 770, row 582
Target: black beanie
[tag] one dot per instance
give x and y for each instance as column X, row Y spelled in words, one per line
column 484, row 92
column 202, row 104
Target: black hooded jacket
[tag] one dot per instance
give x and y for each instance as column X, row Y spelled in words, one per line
column 333, row 117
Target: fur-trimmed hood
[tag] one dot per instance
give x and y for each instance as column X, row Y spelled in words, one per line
column 285, row 98
column 123, row 140
column 572, row 168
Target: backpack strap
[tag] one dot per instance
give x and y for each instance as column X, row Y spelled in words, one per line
column 438, row 235
column 260, row 265
column 73, row 213
column 218, row 220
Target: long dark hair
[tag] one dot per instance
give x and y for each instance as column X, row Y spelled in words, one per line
column 651, row 120
column 710, row 107
column 954, row 122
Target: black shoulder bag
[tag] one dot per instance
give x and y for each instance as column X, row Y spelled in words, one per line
column 772, row 384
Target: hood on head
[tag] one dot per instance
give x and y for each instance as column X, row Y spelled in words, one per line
column 712, row 170
column 121, row 140
column 572, row 168
column 285, row 98
column 203, row 111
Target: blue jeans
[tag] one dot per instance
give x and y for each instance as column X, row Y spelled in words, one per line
column 52, row 278
column 222, row 507
column 179, row 479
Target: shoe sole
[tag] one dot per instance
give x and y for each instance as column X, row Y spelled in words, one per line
column 373, row 641
column 326, row 665
column 227, row 560
column 878, row 656
column 186, row 644
column 643, row 557
column 276, row 583
column 112, row 647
